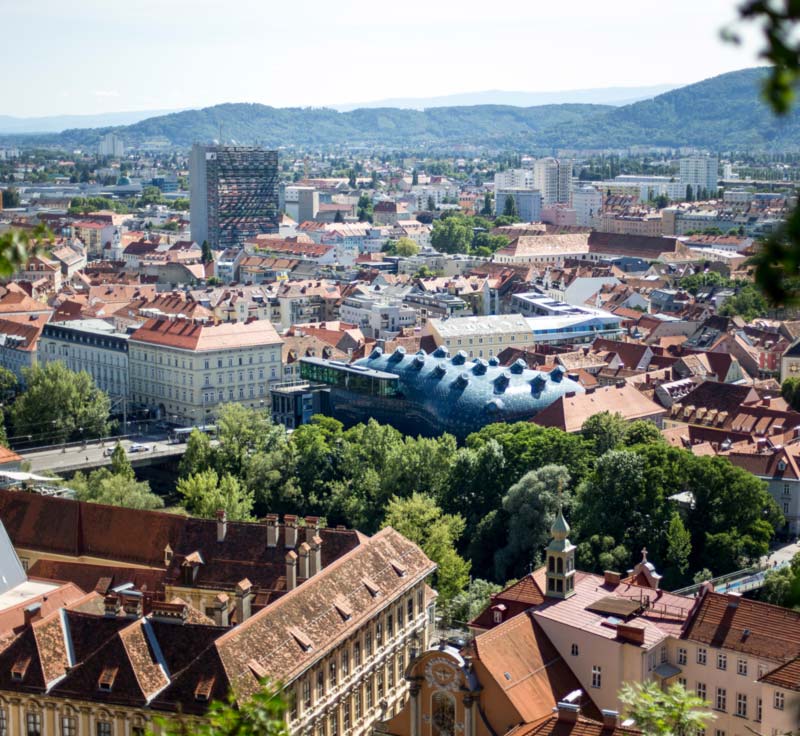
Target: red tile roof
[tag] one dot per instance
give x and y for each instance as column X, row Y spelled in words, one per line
column 200, row 337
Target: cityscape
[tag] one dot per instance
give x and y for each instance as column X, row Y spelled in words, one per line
column 446, row 413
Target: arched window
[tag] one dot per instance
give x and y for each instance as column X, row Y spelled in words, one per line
column 551, row 564
column 444, row 715
column 560, row 566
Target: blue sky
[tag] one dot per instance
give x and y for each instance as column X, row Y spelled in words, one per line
column 89, row 56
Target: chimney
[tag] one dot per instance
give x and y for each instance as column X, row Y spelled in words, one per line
column 611, row 578
column 221, row 609
column 170, row 613
column 733, row 600
column 316, row 555
column 32, row 613
column 290, row 530
column 243, row 595
column 312, row 527
column 111, row 605
column 272, row 530
column 304, row 552
column 631, row 633
column 291, row 570
column 610, row 719
column 567, row 712
column 222, row 525
column 132, row 605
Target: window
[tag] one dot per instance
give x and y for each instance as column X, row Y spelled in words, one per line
column 722, row 661
column 410, row 610
column 389, row 626
column 334, row 723
column 779, row 700
column 357, row 702
column 597, row 676
column 663, row 655
column 719, row 732
column 682, row 681
column 103, row 728
column 346, row 716
column 759, row 708
column 700, row 690
column 444, row 714
column 379, row 635
column 701, row 655
column 497, row 617
column 741, row 667
column 33, row 721
column 681, row 656
column 574, row 650
column 345, row 662
column 400, row 618
column 357, row 654
column 137, row 730
column 332, row 673
column 320, row 684
column 721, row 702
column 3, row 722
column 379, row 679
column 370, row 694
column 68, row 726
column 368, row 644
column 306, row 693
column 741, row 705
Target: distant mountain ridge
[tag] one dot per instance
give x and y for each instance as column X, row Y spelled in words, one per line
column 722, row 113
column 597, row 96
column 57, row 123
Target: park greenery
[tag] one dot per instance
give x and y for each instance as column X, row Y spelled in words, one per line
column 458, row 233
column 484, row 510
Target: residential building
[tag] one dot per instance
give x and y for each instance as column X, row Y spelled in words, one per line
column 701, row 173
column 234, row 194
column 630, row 223
column 527, row 203
column 91, row 345
column 551, row 322
column 378, row 317
column 553, row 178
column 550, row 249
column 19, row 343
column 183, row 369
column 337, row 636
column 513, row 179
column 587, row 203
column 111, row 145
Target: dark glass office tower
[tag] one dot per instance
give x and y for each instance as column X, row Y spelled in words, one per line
column 234, row 194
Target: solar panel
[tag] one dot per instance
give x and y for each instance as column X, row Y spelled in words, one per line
column 614, row 606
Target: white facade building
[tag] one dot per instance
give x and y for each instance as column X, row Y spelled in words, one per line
column 700, row 172
column 587, row 203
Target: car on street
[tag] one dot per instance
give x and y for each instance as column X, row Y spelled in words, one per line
column 138, row 447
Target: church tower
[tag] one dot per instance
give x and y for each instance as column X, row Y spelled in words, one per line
column 560, row 563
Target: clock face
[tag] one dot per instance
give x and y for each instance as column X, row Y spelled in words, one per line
column 442, row 674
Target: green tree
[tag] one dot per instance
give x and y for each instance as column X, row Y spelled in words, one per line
column 531, row 506
column 103, row 486
column 10, row 198
column 16, row 246
column 419, row 519
column 414, row 178
column 782, row 587
column 748, row 302
column 679, row 547
column 642, row 432
column 198, row 456
column 262, row 714
column 606, row 431
column 208, row 254
column 120, row 465
column 510, row 208
column 9, row 385
column 406, row 247
column 205, row 493
column 790, row 390
column 469, row 603
column 601, row 552
column 365, row 208
column 431, row 204
column 689, row 193
column 488, row 209
column 673, row 711
column 60, row 405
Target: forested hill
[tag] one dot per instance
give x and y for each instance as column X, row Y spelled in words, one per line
column 724, row 113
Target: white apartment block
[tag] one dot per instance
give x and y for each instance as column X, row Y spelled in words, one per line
column 587, row 203
column 183, row 370
column 514, row 179
column 701, row 172
column 553, row 178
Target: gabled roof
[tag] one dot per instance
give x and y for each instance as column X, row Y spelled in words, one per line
column 743, row 625
column 786, row 676
column 269, row 638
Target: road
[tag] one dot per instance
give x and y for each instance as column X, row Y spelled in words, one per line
column 69, row 459
column 783, row 554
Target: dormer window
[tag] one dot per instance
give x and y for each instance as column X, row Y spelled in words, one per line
column 20, row 668
column 781, row 466
column 202, row 692
column 105, row 682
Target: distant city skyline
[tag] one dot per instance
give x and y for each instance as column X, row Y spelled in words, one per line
column 93, row 57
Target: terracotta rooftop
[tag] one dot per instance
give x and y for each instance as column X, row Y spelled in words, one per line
column 198, row 337
column 553, row 726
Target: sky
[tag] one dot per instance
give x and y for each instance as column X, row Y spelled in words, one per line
column 93, row 56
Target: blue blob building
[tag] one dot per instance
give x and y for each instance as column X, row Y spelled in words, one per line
column 428, row 394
